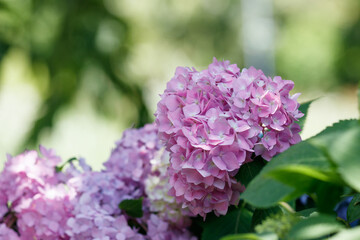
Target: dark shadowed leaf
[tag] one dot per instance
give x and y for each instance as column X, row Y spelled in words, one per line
column 249, row 171
column 328, row 195
column 261, row 214
column 358, row 95
column 132, row 207
column 353, row 211
column 235, row 221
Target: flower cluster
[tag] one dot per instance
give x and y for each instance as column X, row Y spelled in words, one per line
column 211, row 123
column 214, row 121
column 96, row 213
column 46, row 214
column 41, row 200
column 32, row 196
column 140, row 159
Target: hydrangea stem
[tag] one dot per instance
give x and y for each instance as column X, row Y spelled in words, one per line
column 287, row 207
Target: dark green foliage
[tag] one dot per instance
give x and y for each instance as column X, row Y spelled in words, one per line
column 353, row 211
column 249, row 170
column 261, row 214
column 349, row 53
column 235, row 221
column 132, row 207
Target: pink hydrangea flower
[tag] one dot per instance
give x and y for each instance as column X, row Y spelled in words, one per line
column 131, row 157
column 25, row 174
column 141, row 152
column 96, row 213
column 44, row 216
column 7, row 233
column 214, row 121
column 36, row 202
column 158, row 229
column 78, row 203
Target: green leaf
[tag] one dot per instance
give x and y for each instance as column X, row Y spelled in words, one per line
column 358, row 94
column 314, row 227
column 251, row 236
column 246, row 236
column 304, row 107
column 132, row 207
column 341, row 143
column 235, row 221
column 249, row 171
column 307, row 179
column 261, row 214
column 349, row 234
column 306, row 212
column 294, row 175
column 353, row 211
column 327, row 196
column 265, row 191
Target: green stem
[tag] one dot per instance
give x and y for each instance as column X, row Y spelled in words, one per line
column 287, row 207
column 238, row 216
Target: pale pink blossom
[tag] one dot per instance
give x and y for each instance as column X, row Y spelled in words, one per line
column 214, row 121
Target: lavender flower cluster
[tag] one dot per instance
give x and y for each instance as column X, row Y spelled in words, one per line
column 208, row 124
column 38, row 202
column 214, row 121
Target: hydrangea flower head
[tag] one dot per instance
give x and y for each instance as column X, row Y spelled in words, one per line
column 25, row 174
column 37, row 204
column 40, row 199
column 140, row 159
column 44, row 216
column 214, row 121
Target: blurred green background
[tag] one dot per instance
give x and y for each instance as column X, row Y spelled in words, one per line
column 74, row 74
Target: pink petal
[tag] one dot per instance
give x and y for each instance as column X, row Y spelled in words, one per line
column 191, row 110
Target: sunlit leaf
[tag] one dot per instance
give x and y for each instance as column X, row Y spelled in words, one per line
column 264, row 191
column 348, row 234
column 251, row 236
column 341, row 143
column 314, row 227
column 304, row 107
column 294, row 175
